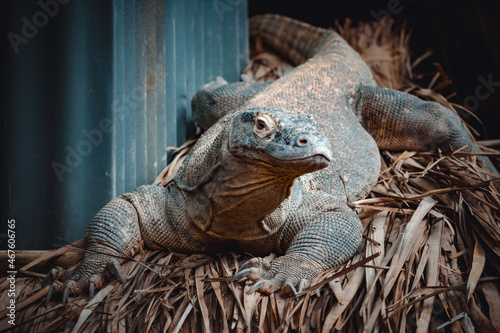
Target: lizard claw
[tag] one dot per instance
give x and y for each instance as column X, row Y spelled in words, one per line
column 95, row 281
column 256, row 262
column 54, row 274
column 115, row 269
column 256, row 286
column 47, row 279
column 241, row 275
column 291, row 288
column 246, row 264
column 304, row 284
column 65, row 295
column 248, row 268
column 50, row 292
column 284, row 273
column 89, row 275
column 301, row 285
column 91, row 289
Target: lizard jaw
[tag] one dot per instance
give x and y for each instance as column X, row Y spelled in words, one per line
column 322, row 155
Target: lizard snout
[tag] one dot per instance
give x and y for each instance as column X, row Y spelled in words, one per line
column 315, row 144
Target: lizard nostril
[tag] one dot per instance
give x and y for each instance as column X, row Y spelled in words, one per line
column 303, row 142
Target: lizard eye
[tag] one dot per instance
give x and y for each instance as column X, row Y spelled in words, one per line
column 263, row 124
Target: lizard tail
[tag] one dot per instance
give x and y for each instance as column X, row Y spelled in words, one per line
column 297, row 41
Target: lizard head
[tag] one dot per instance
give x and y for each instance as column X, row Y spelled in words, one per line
column 282, row 140
column 244, row 167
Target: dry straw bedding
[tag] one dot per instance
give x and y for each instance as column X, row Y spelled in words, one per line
column 429, row 258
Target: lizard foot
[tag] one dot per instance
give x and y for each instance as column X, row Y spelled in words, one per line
column 286, row 273
column 88, row 275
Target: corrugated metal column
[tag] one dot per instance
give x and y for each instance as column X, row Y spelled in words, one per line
column 165, row 51
column 97, row 95
column 59, row 109
column 139, row 93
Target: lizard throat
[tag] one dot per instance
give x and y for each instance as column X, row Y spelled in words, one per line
column 244, row 195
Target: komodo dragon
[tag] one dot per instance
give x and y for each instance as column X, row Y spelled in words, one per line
column 266, row 177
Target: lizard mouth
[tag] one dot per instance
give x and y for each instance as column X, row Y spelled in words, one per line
column 322, row 159
column 298, row 165
column 319, row 157
column 319, row 161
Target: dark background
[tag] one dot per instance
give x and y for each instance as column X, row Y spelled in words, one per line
column 464, row 36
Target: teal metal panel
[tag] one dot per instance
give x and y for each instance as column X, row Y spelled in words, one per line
column 96, row 96
column 59, row 83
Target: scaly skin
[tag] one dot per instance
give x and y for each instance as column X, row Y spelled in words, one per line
column 265, row 177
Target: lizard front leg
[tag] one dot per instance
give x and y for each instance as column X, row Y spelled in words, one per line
column 399, row 121
column 320, row 235
column 113, row 235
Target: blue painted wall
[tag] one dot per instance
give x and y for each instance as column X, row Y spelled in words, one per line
column 96, row 90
